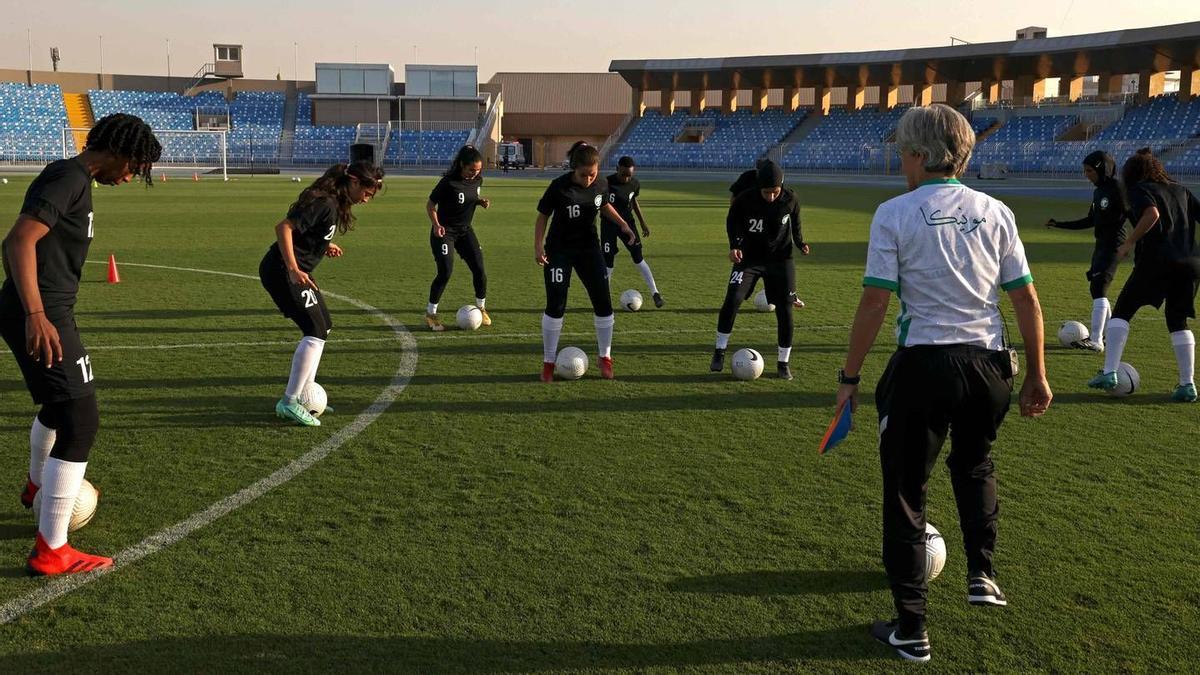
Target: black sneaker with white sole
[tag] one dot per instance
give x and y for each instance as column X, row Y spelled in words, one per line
column 658, row 300
column 784, row 371
column 983, row 590
column 914, row 647
column 718, row 361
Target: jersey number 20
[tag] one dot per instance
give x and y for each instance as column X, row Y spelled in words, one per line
column 310, row 297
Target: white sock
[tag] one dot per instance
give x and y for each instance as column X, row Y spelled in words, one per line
column 723, row 340
column 431, row 308
column 604, row 331
column 1115, row 337
column 647, row 276
column 1100, row 313
column 1185, row 355
column 610, row 274
column 785, row 354
column 480, row 302
column 60, row 486
column 304, row 366
column 551, row 329
column 41, row 441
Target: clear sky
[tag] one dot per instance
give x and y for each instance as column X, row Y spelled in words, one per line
column 521, row 35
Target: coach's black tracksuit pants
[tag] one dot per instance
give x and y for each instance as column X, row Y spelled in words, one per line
column 927, row 393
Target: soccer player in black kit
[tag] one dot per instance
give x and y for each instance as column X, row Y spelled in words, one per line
column 44, row 254
column 1166, row 268
column 303, row 239
column 450, row 209
column 763, row 226
column 623, row 191
column 1107, row 215
column 748, row 180
column 570, row 205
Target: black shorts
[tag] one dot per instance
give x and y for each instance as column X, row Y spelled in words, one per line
column 1157, row 284
column 610, row 234
column 589, row 265
column 304, row 306
column 70, row 379
column 1104, row 263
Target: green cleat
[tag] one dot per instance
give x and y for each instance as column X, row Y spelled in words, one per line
column 296, row 413
column 1185, row 393
column 1105, row 381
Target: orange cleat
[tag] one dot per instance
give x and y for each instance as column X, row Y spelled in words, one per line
column 29, row 493
column 606, row 367
column 548, row 371
column 45, row 561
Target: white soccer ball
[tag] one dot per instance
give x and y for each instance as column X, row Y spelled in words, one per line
column 571, row 363
column 631, row 300
column 761, row 303
column 1128, row 381
column 85, row 506
column 1071, row 332
column 469, row 317
column 935, row 553
column 314, row 399
column 4, row 180
column 747, row 364
column 295, row 179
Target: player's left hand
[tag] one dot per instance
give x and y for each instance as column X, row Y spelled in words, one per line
column 485, row 202
column 630, row 235
column 805, row 249
column 334, row 251
column 645, row 231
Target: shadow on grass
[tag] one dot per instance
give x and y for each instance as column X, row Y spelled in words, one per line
column 800, row 582
column 340, row 653
column 22, row 529
column 731, row 399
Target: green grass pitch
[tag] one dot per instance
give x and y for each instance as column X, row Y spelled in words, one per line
column 486, row 522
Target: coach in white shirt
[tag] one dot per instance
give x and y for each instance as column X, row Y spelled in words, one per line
column 946, row 251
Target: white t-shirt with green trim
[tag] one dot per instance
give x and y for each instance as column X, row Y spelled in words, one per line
column 946, row 251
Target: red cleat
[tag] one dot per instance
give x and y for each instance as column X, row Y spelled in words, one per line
column 606, row 367
column 29, row 493
column 548, row 371
column 45, row 561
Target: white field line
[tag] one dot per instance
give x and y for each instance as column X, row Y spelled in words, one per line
column 59, row 586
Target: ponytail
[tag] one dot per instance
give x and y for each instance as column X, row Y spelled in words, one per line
column 335, row 183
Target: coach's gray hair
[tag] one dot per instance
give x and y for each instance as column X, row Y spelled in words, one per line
column 938, row 133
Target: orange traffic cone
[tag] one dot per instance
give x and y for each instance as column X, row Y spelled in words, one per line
column 114, row 277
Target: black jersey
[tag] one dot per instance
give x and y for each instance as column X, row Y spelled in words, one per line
column 456, row 200
column 747, row 180
column 622, row 195
column 764, row 231
column 313, row 228
column 61, row 198
column 1173, row 237
column 1107, row 215
column 572, row 210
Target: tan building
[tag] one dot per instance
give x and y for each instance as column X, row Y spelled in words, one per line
column 547, row 112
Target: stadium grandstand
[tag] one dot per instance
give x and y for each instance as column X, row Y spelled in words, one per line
column 1038, row 106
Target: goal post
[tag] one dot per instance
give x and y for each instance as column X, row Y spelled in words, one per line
column 184, row 150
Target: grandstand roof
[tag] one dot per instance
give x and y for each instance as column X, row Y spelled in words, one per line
column 1124, row 51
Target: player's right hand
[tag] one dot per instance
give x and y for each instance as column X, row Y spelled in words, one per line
column 439, row 231
column 41, row 340
column 539, row 254
column 299, row 277
column 1035, row 396
column 735, row 255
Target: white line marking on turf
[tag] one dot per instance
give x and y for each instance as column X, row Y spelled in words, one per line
column 59, row 586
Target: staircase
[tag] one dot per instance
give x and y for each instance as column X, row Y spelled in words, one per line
column 287, row 137
column 1172, row 151
column 79, row 116
column 991, row 129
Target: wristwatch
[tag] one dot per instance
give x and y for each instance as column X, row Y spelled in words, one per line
column 846, row 379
